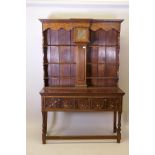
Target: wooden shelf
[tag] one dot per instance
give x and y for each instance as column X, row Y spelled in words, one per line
column 96, row 45
column 91, row 77
column 96, row 63
column 90, row 45
column 61, row 58
column 60, row 77
column 48, row 63
column 59, row 45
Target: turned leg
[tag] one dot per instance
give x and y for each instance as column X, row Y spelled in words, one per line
column 119, row 127
column 114, row 125
column 44, row 127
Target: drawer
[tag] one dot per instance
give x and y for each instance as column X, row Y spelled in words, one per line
column 81, row 104
column 59, row 103
column 105, row 104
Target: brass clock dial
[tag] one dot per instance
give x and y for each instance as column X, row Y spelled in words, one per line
column 81, row 35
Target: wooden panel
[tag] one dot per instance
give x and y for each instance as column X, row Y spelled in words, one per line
column 72, row 81
column 53, row 54
column 88, row 71
column 53, row 37
column 101, row 70
column 72, row 70
column 107, row 82
column 73, row 54
column 53, row 82
column 64, row 54
column 63, row 37
column 111, row 37
column 111, row 55
column 101, row 55
column 49, row 53
column 81, row 66
column 98, row 37
column 111, row 70
column 92, row 82
column 53, row 70
column 46, row 57
column 92, row 70
column 47, row 37
column 72, row 37
column 102, row 82
column 102, row 37
column 92, row 55
column 64, row 70
column 94, row 37
column 64, row 82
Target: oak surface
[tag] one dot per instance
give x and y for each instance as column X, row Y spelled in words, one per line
column 81, row 75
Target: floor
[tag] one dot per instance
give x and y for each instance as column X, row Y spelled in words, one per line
column 74, row 147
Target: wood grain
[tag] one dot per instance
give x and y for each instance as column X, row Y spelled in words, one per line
column 81, row 76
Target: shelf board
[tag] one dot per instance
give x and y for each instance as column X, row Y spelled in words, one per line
column 48, row 63
column 94, row 63
column 59, row 45
column 72, row 77
column 90, row 45
column 59, row 77
column 91, row 77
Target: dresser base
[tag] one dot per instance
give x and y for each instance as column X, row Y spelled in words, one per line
column 82, row 100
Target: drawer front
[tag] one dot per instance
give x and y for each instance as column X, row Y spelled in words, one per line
column 59, row 103
column 82, row 104
column 105, row 104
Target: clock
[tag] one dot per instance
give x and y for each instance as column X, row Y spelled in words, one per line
column 81, row 35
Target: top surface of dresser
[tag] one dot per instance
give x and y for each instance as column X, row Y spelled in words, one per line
column 89, row 91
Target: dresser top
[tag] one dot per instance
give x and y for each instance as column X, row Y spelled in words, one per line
column 80, row 20
column 71, row 91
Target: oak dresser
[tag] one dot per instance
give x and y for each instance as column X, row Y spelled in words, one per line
column 81, row 64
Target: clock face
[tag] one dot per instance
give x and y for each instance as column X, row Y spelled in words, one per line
column 81, row 35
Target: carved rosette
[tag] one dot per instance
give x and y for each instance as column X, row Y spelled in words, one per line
column 82, row 104
column 52, row 103
column 68, row 104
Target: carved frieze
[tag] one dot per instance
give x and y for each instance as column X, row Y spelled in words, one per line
column 70, row 25
column 105, row 26
column 82, row 104
column 62, row 25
